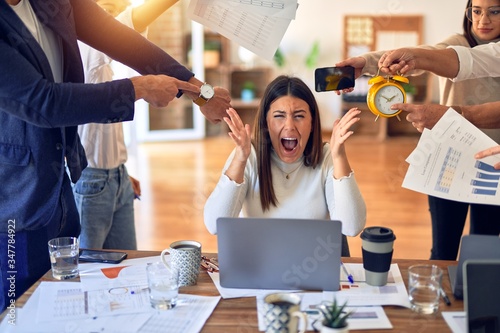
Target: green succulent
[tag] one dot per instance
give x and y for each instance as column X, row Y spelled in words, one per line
column 334, row 315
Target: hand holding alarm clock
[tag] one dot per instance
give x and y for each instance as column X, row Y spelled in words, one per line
column 384, row 92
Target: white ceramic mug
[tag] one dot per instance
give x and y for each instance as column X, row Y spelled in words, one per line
column 282, row 314
column 185, row 256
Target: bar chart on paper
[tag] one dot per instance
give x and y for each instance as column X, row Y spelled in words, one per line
column 443, row 164
column 484, row 180
column 448, row 169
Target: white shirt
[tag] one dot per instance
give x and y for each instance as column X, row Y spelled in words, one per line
column 48, row 40
column 104, row 143
column 308, row 193
column 477, row 62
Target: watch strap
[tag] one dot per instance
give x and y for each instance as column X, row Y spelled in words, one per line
column 200, row 101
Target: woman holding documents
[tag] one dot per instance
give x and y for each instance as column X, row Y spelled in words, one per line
column 481, row 25
column 286, row 170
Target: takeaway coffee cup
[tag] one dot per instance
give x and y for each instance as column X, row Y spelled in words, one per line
column 185, row 256
column 377, row 248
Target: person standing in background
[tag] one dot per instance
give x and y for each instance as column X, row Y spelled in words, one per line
column 481, row 25
column 43, row 98
column 105, row 192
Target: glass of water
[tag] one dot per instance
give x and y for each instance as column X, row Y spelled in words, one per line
column 424, row 283
column 163, row 283
column 63, row 253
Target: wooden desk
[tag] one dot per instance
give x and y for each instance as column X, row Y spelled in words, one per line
column 240, row 314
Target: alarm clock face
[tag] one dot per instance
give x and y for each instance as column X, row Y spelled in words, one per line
column 387, row 96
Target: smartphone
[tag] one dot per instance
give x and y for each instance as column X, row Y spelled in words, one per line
column 101, row 256
column 334, row 78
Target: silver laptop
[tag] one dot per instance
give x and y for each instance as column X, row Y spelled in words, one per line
column 288, row 254
column 482, row 295
column 472, row 247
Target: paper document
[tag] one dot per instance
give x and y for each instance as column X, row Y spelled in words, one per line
column 357, row 294
column 238, row 292
column 69, row 302
column 361, row 294
column 258, row 26
column 26, row 319
column 130, row 272
column 66, row 313
column 443, row 163
column 372, row 317
column 278, row 8
column 456, row 321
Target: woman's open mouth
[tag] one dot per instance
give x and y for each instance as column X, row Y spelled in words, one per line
column 289, row 143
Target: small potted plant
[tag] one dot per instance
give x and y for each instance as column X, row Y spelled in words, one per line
column 248, row 91
column 334, row 318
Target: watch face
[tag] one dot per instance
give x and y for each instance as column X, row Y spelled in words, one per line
column 207, row 91
column 387, row 96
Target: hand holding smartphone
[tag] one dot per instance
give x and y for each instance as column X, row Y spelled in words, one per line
column 109, row 257
column 334, row 78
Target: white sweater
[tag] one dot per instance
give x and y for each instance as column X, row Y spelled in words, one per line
column 307, row 194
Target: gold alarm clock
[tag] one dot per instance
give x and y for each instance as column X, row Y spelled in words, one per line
column 384, row 92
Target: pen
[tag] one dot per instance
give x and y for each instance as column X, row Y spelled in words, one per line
column 444, row 296
column 349, row 276
column 137, row 197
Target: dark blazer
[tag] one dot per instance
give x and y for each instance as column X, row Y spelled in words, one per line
column 38, row 117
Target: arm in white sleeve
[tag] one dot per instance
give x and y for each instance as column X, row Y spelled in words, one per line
column 346, row 203
column 226, row 199
column 480, row 61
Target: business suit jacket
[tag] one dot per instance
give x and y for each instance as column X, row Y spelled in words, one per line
column 38, row 117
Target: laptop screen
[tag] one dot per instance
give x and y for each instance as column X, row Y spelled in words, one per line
column 272, row 253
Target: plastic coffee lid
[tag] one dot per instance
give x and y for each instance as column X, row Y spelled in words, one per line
column 378, row 234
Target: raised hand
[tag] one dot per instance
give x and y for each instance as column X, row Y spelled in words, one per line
column 342, row 131
column 241, row 135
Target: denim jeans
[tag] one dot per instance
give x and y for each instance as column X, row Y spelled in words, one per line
column 448, row 220
column 105, row 202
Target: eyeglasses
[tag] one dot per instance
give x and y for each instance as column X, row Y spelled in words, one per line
column 210, row 264
column 475, row 14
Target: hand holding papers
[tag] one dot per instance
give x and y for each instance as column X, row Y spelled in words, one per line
column 443, row 164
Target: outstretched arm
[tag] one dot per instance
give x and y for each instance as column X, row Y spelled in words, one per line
column 441, row 62
column 145, row 14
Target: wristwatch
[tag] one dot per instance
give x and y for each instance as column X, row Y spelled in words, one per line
column 206, row 93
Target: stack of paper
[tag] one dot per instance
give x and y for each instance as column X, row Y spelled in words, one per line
column 110, row 298
column 443, row 164
column 258, row 26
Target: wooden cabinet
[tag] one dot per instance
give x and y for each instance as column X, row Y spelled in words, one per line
column 235, row 77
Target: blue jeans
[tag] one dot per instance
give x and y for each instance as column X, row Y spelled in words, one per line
column 105, row 200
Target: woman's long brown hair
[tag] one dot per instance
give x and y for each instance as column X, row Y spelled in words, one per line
column 313, row 153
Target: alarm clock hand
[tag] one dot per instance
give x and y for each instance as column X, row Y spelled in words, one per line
column 387, row 99
column 390, row 99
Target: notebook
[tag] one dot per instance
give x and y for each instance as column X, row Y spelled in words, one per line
column 472, row 247
column 272, row 253
column 482, row 295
